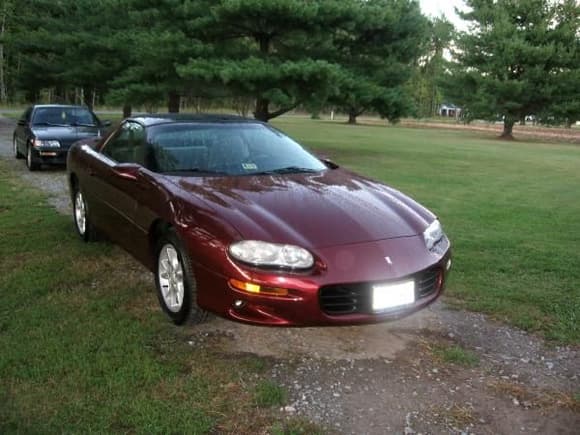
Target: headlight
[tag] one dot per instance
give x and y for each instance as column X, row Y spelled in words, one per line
column 271, row 254
column 46, row 143
column 433, row 234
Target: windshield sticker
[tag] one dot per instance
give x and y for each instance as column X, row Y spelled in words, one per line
column 249, row 166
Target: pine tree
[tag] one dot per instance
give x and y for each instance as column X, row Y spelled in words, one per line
column 376, row 56
column 513, row 61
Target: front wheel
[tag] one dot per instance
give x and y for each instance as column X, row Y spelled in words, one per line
column 17, row 154
column 175, row 281
column 31, row 162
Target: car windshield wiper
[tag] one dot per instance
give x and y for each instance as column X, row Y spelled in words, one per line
column 50, row 124
column 286, row 170
column 195, row 171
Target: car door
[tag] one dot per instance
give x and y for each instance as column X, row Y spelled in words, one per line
column 116, row 185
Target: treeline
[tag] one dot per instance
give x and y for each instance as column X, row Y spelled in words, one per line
column 261, row 56
column 519, row 59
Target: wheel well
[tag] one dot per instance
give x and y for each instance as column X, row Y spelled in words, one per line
column 156, row 230
column 73, row 183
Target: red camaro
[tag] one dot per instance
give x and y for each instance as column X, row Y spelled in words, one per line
column 235, row 218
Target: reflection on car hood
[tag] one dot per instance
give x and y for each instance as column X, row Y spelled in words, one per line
column 67, row 134
column 331, row 208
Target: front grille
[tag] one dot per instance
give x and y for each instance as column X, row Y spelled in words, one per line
column 344, row 298
column 341, row 299
column 427, row 282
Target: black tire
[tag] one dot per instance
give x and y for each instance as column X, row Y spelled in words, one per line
column 86, row 231
column 17, row 154
column 31, row 163
column 186, row 309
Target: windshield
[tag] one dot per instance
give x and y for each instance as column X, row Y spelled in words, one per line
column 63, row 116
column 227, row 149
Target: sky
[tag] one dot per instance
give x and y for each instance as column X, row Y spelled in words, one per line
column 444, row 7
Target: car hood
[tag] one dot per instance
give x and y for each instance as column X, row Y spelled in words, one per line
column 67, row 135
column 331, row 208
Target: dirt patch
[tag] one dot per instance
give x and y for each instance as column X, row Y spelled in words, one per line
column 386, row 378
column 336, row 343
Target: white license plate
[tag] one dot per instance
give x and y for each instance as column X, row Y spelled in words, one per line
column 393, row 295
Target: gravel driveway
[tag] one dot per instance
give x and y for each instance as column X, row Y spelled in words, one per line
column 388, row 378
column 51, row 180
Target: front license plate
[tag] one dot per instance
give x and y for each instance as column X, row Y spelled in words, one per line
column 393, row 295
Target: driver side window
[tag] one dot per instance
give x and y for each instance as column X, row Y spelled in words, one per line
column 127, row 144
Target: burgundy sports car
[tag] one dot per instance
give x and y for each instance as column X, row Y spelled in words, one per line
column 235, row 218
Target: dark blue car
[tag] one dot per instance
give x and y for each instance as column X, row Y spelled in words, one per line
column 45, row 132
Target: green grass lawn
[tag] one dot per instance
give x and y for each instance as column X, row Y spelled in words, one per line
column 511, row 209
column 84, row 347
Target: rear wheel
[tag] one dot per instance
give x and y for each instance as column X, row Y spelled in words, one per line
column 83, row 225
column 175, row 281
column 17, row 154
column 31, row 162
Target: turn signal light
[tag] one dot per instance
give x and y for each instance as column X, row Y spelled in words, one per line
column 257, row 289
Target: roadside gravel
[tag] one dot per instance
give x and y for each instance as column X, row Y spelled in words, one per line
column 50, row 180
column 391, row 378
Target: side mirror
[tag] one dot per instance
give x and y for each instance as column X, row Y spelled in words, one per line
column 128, row 171
column 22, row 122
column 329, row 163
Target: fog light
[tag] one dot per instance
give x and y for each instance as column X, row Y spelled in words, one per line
column 250, row 287
column 238, row 303
column 448, row 266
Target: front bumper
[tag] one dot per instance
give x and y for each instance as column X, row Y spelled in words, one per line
column 305, row 303
column 55, row 156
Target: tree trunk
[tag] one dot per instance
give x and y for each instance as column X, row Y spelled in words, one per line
column 261, row 113
column 508, row 126
column 351, row 117
column 3, row 91
column 353, row 114
column 263, row 104
column 88, row 99
column 173, row 102
column 127, row 110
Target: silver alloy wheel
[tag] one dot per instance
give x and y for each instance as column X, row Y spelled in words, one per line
column 80, row 213
column 171, row 278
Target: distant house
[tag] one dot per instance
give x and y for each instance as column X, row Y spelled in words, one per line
column 449, row 110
